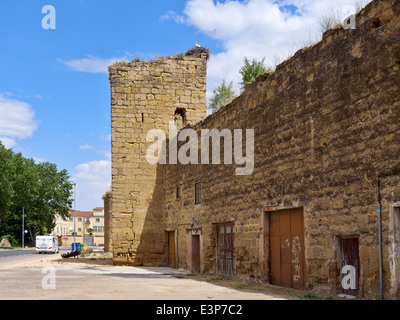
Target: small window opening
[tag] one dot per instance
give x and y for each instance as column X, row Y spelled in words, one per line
column 178, row 193
column 180, row 118
column 142, row 117
column 197, row 193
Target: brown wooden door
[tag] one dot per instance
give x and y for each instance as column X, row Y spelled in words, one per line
column 287, row 258
column 349, row 255
column 226, row 262
column 171, row 249
column 196, row 253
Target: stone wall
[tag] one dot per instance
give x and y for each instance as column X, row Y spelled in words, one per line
column 145, row 96
column 326, row 126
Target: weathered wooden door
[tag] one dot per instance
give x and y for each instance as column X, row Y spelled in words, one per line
column 226, row 262
column 196, row 253
column 287, row 258
column 350, row 258
column 171, row 249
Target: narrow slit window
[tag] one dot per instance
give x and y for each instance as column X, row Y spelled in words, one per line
column 197, row 193
column 178, row 193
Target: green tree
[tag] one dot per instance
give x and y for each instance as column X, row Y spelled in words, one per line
column 42, row 190
column 25, row 183
column 53, row 197
column 90, row 231
column 11, row 240
column 6, row 177
column 222, row 95
column 251, row 70
column 25, row 186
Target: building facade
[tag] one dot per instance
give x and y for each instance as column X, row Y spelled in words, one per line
column 85, row 223
column 319, row 209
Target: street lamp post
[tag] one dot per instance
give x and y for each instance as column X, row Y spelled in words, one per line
column 23, row 233
column 23, row 227
column 74, row 211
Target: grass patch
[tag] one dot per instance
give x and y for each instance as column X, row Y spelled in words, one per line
column 96, row 255
column 240, row 287
column 217, row 279
column 258, row 286
column 310, row 297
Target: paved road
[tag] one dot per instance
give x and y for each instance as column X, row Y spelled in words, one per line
column 4, row 253
column 14, row 253
column 48, row 277
column 12, row 258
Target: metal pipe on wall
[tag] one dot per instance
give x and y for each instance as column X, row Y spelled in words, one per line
column 177, row 248
column 380, row 238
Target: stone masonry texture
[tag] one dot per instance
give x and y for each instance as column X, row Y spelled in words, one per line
column 145, row 96
column 326, row 125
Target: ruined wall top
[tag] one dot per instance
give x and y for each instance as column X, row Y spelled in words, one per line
column 307, row 63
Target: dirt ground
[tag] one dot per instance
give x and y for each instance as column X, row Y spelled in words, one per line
column 93, row 277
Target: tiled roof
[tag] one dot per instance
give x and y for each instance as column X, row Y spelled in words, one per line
column 81, row 213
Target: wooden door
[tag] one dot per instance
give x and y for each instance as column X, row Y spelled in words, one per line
column 196, row 253
column 287, row 258
column 171, row 249
column 349, row 256
column 226, row 262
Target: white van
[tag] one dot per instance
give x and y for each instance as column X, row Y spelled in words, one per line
column 46, row 244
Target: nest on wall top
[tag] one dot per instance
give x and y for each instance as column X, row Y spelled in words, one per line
column 196, row 52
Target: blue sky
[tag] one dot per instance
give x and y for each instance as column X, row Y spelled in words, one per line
column 54, row 89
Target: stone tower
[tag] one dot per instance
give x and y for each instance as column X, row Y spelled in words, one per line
column 145, row 96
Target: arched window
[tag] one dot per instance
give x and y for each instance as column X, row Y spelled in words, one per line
column 180, row 118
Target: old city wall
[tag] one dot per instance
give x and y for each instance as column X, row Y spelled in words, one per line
column 326, row 124
column 145, row 96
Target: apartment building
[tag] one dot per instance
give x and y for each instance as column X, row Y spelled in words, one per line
column 85, row 223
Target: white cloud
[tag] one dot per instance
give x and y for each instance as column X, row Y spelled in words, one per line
column 7, row 142
column 91, row 64
column 104, row 153
column 257, row 29
column 105, row 138
column 17, row 120
column 85, row 147
column 21, row 95
column 38, row 160
column 93, row 180
column 172, row 15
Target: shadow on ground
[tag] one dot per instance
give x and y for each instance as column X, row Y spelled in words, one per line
column 236, row 283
